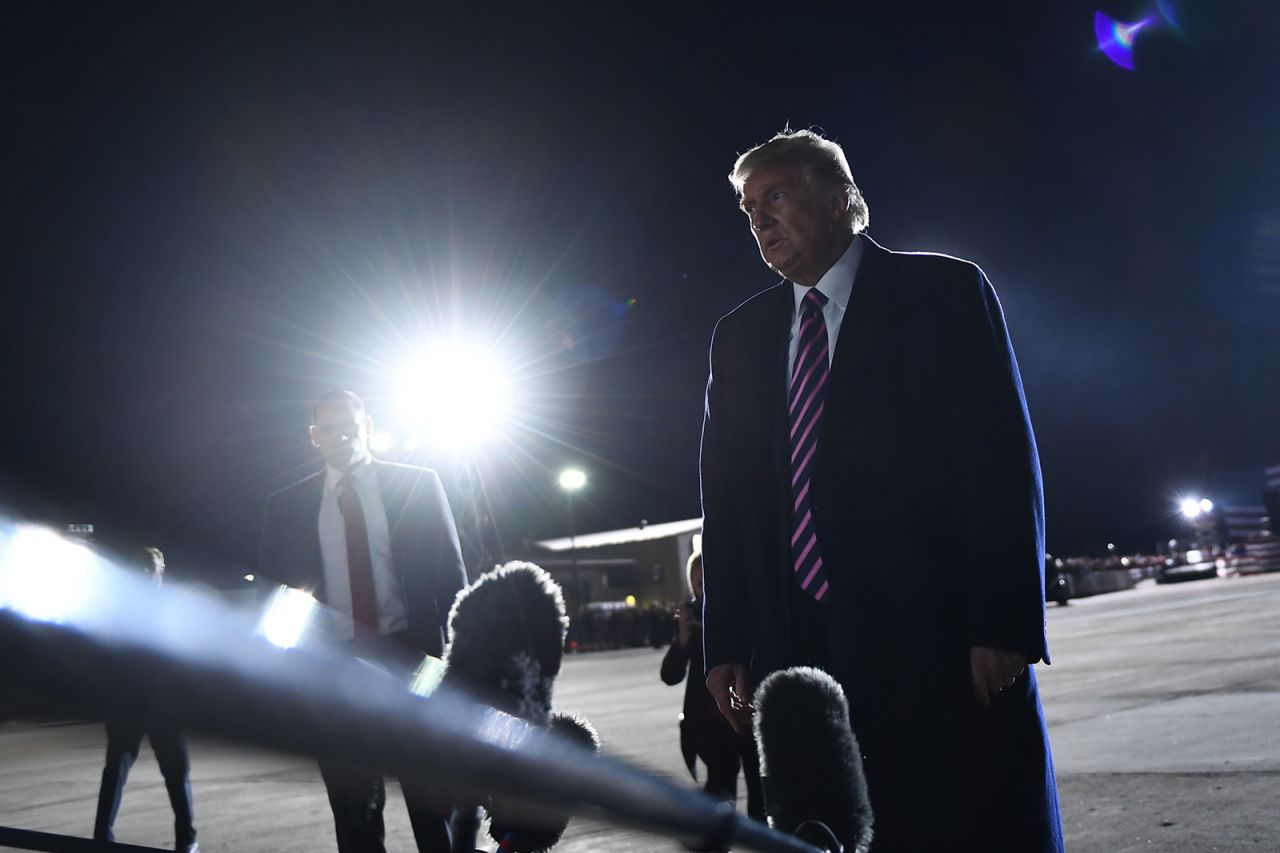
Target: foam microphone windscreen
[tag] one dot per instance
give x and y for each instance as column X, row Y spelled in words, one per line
column 809, row 758
column 506, row 640
column 525, row 833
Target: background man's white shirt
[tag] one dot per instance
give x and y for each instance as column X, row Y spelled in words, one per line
column 333, row 550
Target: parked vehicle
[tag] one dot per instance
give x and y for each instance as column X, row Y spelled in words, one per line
column 1177, row 571
column 1070, row 578
column 1058, row 586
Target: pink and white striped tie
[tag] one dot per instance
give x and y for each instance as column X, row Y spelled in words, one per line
column 805, row 404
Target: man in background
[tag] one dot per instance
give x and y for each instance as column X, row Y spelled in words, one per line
column 124, row 740
column 376, row 541
column 704, row 733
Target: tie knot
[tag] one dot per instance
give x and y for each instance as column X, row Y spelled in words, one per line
column 813, row 300
column 347, row 488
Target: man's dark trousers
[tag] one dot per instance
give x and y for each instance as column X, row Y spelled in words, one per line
column 124, row 739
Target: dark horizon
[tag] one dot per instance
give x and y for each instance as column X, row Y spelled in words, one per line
column 218, row 213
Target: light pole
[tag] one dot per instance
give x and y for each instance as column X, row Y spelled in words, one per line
column 571, row 480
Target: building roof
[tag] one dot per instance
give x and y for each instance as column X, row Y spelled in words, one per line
column 641, row 533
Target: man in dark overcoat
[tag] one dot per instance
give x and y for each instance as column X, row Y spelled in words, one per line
column 873, row 506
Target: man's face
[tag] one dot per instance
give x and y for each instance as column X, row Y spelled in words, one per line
column 341, row 434
column 797, row 228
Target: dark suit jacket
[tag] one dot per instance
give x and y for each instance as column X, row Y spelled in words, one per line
column 424, row 545
column 927, row 501
column 703, row 731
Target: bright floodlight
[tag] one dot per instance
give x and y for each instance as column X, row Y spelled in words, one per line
column 1191, row 507
column 381, row 442
column 1206, row 505
column 454, row 394
column 572, row 479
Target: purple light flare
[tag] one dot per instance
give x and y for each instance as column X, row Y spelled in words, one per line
column 1115, row 39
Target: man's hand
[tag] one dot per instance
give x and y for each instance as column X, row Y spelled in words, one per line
column 686, row 621
column 731, row 685
column 994, row 671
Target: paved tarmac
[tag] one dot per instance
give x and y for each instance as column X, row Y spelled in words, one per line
column 1163, row 706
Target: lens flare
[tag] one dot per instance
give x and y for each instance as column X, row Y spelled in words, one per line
column 591, row 321
column 1166, row 11
column 1239, row 268
column 1115, row 39
column 381, row 442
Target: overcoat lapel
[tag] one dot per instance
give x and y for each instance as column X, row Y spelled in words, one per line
column 863, row 327
column 777, row 339
column 309, row 499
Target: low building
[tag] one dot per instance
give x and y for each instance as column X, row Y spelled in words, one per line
column 645, row 562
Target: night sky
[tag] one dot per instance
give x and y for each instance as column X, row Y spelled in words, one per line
column 216, row 212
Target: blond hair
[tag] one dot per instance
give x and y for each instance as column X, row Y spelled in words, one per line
column 824, row 164
column 694, row 561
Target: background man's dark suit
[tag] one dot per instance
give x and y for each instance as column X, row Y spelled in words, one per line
column 927, row 500
column 427, row 562
column 705, row 734
column 424, row 545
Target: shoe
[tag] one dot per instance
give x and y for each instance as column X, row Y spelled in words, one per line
column 193, row 847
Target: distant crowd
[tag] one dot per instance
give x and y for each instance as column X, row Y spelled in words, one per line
column 613, row 625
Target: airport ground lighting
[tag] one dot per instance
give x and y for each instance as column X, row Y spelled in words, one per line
column 572, row 479
column 1193, row 507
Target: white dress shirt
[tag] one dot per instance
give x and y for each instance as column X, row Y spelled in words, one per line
column 837, row 285
column 333, row 550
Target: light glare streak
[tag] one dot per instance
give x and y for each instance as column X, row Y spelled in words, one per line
column 287, row 616
column 46, row 577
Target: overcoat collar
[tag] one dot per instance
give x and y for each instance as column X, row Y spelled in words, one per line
column 864, row 320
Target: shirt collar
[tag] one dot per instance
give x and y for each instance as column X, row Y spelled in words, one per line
column 836, row 283
column 332, row 476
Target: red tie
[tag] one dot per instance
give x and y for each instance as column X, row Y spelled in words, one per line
column 364, row 606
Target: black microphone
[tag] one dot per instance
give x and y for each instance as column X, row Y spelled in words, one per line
column 522, row 831
column 810, row 764
column 506, row 646
column 506, row 640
